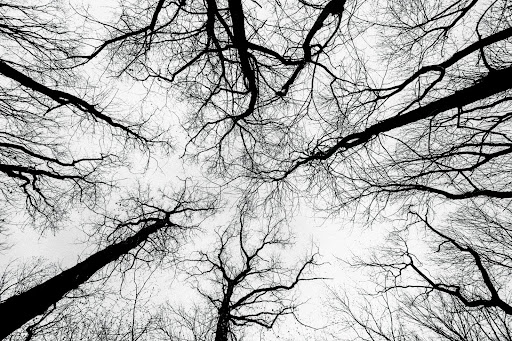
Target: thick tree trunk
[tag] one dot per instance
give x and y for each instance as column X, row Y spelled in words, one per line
column 221, row 333
column 19, row 309
column 60, row 97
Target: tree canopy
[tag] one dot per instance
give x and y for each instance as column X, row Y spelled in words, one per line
column 189, row 138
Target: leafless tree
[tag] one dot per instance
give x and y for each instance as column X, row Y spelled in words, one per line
column 396, row 316
column 469, row 260
column 453, row 285
column 269, row 99
column 58, row 144
column 245, row 281
column 99, row 309
column 49, row 110
column 146, row 231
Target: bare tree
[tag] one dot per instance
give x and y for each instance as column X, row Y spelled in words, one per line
column 101, row 308
column 453, row 285
column 49, row 109
column 240, row 285
column 146, row 231
column 468, row 261
column 221, row 57
column 246, row 282
column 269, row 99
column 58, row 146
column 396, row 316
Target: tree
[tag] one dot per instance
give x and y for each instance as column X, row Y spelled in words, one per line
column 421, row 121
column 48, row 111
column 146, row 228
column 454, row 290
column 397, row 316
column 245, row 281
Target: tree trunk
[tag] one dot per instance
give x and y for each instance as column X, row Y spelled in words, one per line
column 19, row 309
column 221, row 333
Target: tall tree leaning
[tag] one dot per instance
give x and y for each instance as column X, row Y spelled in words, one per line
column 151, row 224
column 48, row 110
column 44, row 169
column 38, row 299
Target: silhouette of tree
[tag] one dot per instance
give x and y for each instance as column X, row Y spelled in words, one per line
column 140, row 236
column 245, row 282
column 48, row 111
column 269, row 100
column 57, row 147
column 456, row 289
column 397, row 316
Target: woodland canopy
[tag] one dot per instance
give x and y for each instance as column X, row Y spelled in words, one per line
column 181, row 144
